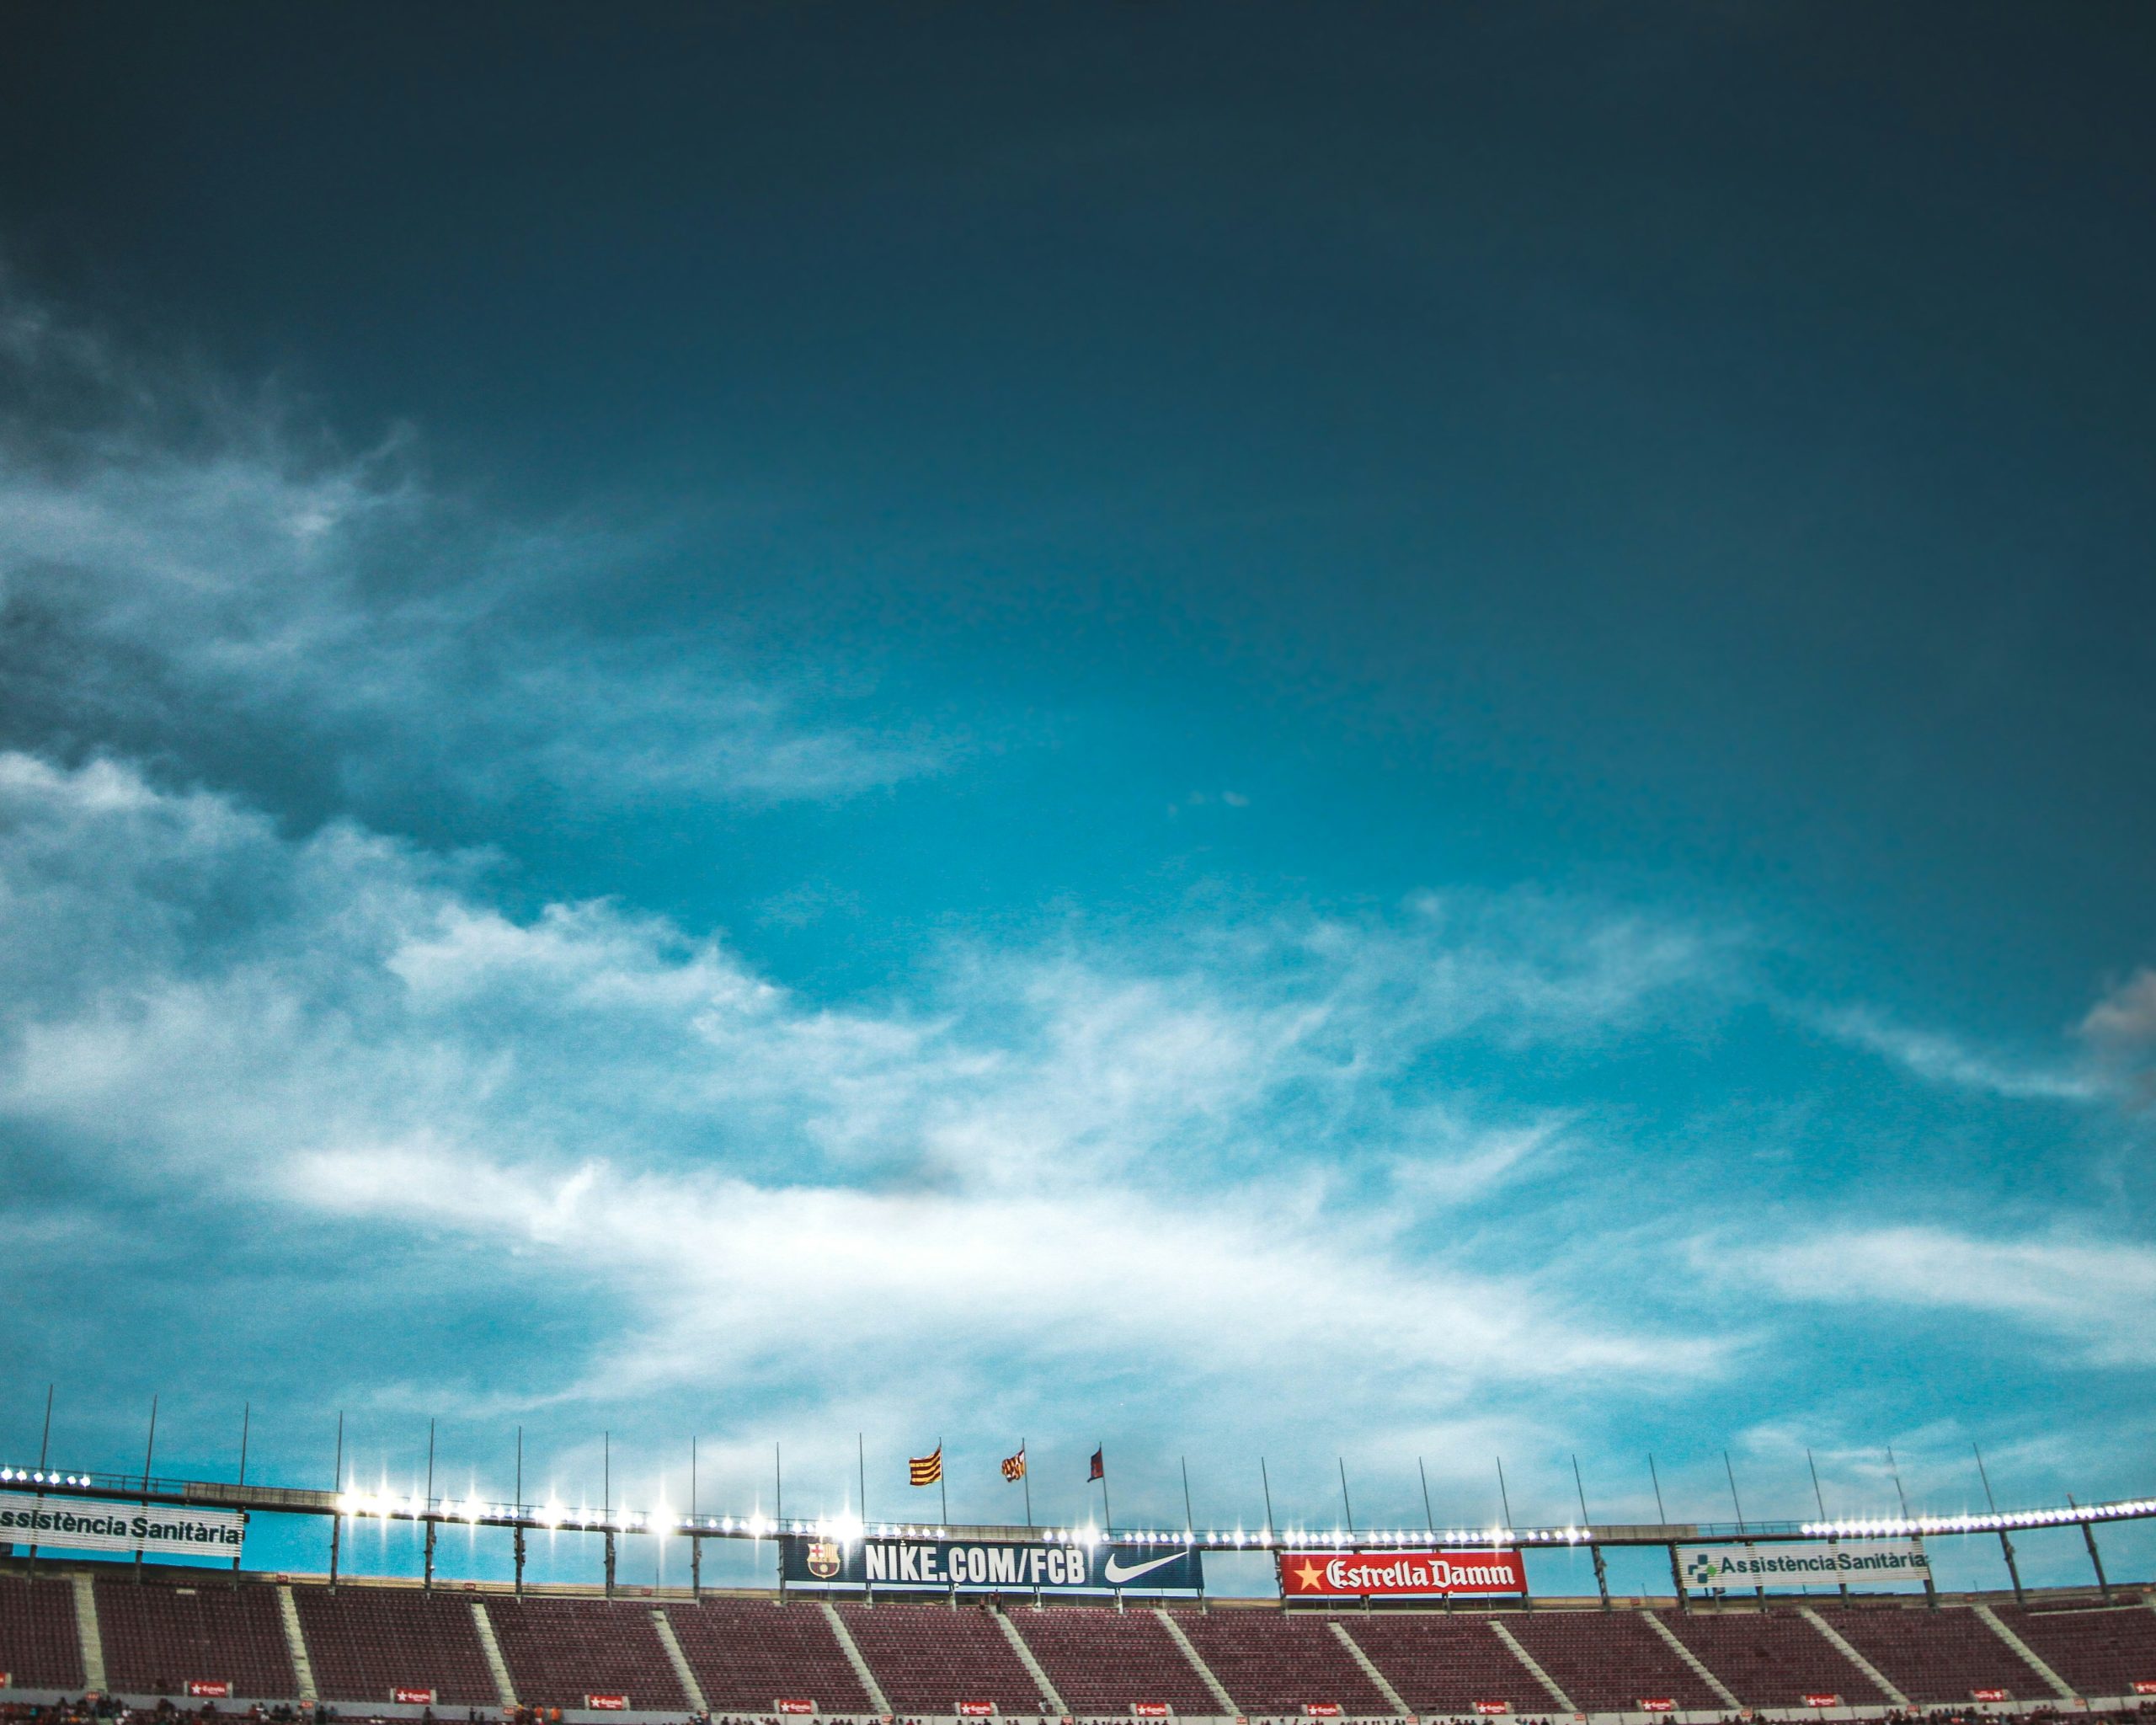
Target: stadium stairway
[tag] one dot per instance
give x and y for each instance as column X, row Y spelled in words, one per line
column 296, row 1643
column 1698, row 1666
column 2060, row 1687
column 1848, row 1652
column 1219, row 1691
column 1050, row 1693
column 854, row 1657
column 493, row 1648
column 1378, row 1681
column 667, row 1639
column 1563, row 1701
column 87, row 1628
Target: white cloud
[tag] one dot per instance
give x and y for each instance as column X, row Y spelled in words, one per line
column 1070, row 1167
column 203, row 570
column 2120, row 1033
column 2080, row 1286
column 1939, row 1058
column 2126, row 1017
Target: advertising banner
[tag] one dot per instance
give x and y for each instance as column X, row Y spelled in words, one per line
column 1657, row 1704
column 976, row 1709
column 206, row 1689
column 413, row 1697
column 1151, row 1710
column 1320, row 1709
column 791, row 1706
column 1822, row 1700
column 1987, row 1695
column 607, row 1703
column 1383, row 1574
column 1493, row 1707
column 1802, row 1564
column 977, row 1565
column 85, row 1525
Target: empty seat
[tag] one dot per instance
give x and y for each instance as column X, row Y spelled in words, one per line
column 1271, row 1662
column 2099, row 1650
column 1935, row 1657
column 366, row 1642
column 559, row 1651
column 159, row 1636
column 1772, row 1658
column 1102, row 1661
column 747, row 1655
column 1609, row 1661
column 929, row 1658
column 39, row 1646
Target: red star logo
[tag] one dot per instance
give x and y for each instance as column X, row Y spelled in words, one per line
column 1309, row 1576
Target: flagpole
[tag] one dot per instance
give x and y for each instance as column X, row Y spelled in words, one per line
column 942, row 1490
column 1265, row 1479
column 1025, row 1479
column 1108, row 1514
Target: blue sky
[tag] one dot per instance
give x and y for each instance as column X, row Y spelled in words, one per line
column 1412, row 734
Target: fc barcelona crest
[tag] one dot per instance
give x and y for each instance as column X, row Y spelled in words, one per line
column 822, row 1558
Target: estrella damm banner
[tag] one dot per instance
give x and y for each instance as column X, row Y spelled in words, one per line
column 1380, row 1574
column 979, row 1566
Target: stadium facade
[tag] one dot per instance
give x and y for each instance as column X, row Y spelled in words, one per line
column 871, row 1621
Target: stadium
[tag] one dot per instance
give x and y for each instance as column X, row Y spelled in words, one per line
column 1326, row 746
column 885, row 1622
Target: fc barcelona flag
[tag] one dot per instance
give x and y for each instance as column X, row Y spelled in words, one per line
column 1099, row 1467
column 926, row 1469
column 1014, row 1467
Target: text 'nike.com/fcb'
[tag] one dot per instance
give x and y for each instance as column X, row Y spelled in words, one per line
column 980, row 1566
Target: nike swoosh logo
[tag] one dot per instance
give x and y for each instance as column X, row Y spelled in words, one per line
column 1114, row 1574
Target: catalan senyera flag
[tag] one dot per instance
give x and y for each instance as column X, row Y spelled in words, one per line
column 1099, row 1470
column 1014, row 1467
column 926, row 1469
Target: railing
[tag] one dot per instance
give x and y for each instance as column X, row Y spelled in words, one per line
column 846, row 1530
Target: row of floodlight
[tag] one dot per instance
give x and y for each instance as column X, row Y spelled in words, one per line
column 39, row 1477
column 1991, row 1521
column 851, row 1529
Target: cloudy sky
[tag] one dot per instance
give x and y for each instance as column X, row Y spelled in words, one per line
column 1404, row 733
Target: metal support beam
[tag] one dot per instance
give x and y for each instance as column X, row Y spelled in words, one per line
column 2005, row 1545
column 2095, row 1556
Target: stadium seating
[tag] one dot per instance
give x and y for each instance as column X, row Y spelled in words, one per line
column 2099, row 1650
column 1102, row 1662
column 1772, row 1658
column 1936, row 1657
column 39, row 1647
column 928, row 1659
column 1609, row 1661
column 1271, row 1662
column 559, row 1651
column 364, row 1642
column 1442, row 1663
column 159, row 1636
column 748, row 1653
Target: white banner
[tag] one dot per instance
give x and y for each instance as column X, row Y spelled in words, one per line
column 1802, row 1564
column 85, row 1525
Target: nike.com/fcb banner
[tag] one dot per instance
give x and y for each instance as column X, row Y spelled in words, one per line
column 84, row 1525
column 1802, row 1564
column 1382, row 1574
column 971, row 1565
